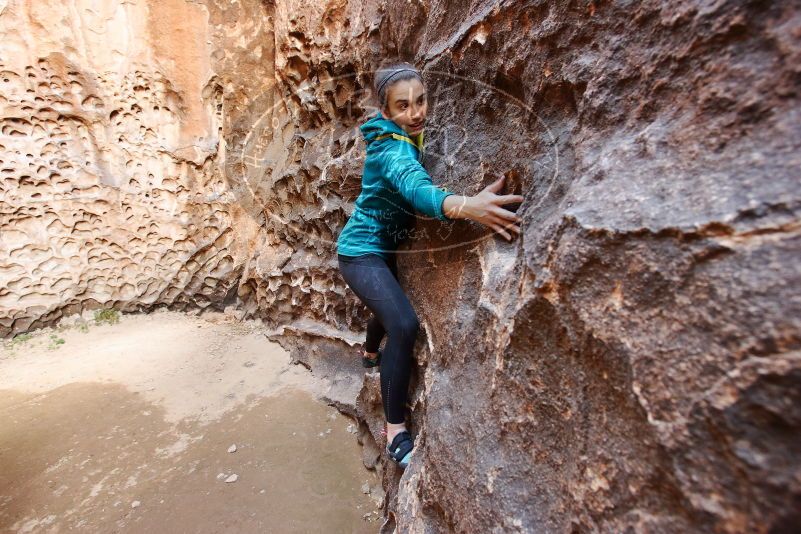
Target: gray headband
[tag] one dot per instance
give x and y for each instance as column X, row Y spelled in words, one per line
column 383, row 83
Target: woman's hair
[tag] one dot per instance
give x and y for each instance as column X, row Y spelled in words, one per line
column 388, row 74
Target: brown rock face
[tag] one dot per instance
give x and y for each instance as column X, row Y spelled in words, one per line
column 630, row 363
column 113, row 191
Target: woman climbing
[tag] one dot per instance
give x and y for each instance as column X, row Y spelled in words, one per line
column 394, row 184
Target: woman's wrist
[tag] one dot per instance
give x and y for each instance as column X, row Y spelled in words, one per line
column 455, row 206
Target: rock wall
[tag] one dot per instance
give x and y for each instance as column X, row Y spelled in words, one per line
column 112, row 168
column 630, row 363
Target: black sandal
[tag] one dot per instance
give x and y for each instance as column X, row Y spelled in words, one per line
column 400, row 450
column 369, row 362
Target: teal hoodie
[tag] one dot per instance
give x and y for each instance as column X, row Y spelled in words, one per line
column 394, row 184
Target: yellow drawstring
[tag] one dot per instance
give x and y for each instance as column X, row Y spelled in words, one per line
column 417, row 142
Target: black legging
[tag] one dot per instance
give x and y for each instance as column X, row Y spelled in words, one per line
column 375, row 282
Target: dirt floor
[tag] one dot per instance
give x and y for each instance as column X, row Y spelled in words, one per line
column 172, row 423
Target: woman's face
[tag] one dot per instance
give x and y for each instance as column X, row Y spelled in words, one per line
column 407, row 105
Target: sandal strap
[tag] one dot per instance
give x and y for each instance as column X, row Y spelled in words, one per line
column 371, row 362
column 401, row 445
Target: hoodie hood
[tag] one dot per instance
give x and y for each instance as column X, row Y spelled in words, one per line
column 377, row 125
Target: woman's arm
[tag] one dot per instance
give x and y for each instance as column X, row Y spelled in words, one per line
column 408, row 176
column 485, row 207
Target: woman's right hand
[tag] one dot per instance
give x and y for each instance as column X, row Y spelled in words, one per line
column 485, row 208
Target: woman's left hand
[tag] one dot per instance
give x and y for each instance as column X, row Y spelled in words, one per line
column 485, row 208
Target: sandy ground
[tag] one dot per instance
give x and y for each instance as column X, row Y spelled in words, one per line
column 127, row 427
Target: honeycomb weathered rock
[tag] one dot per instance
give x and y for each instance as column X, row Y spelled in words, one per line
column 112, row 189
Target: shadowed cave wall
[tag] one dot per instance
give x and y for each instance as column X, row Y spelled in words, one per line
column 631, row 362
